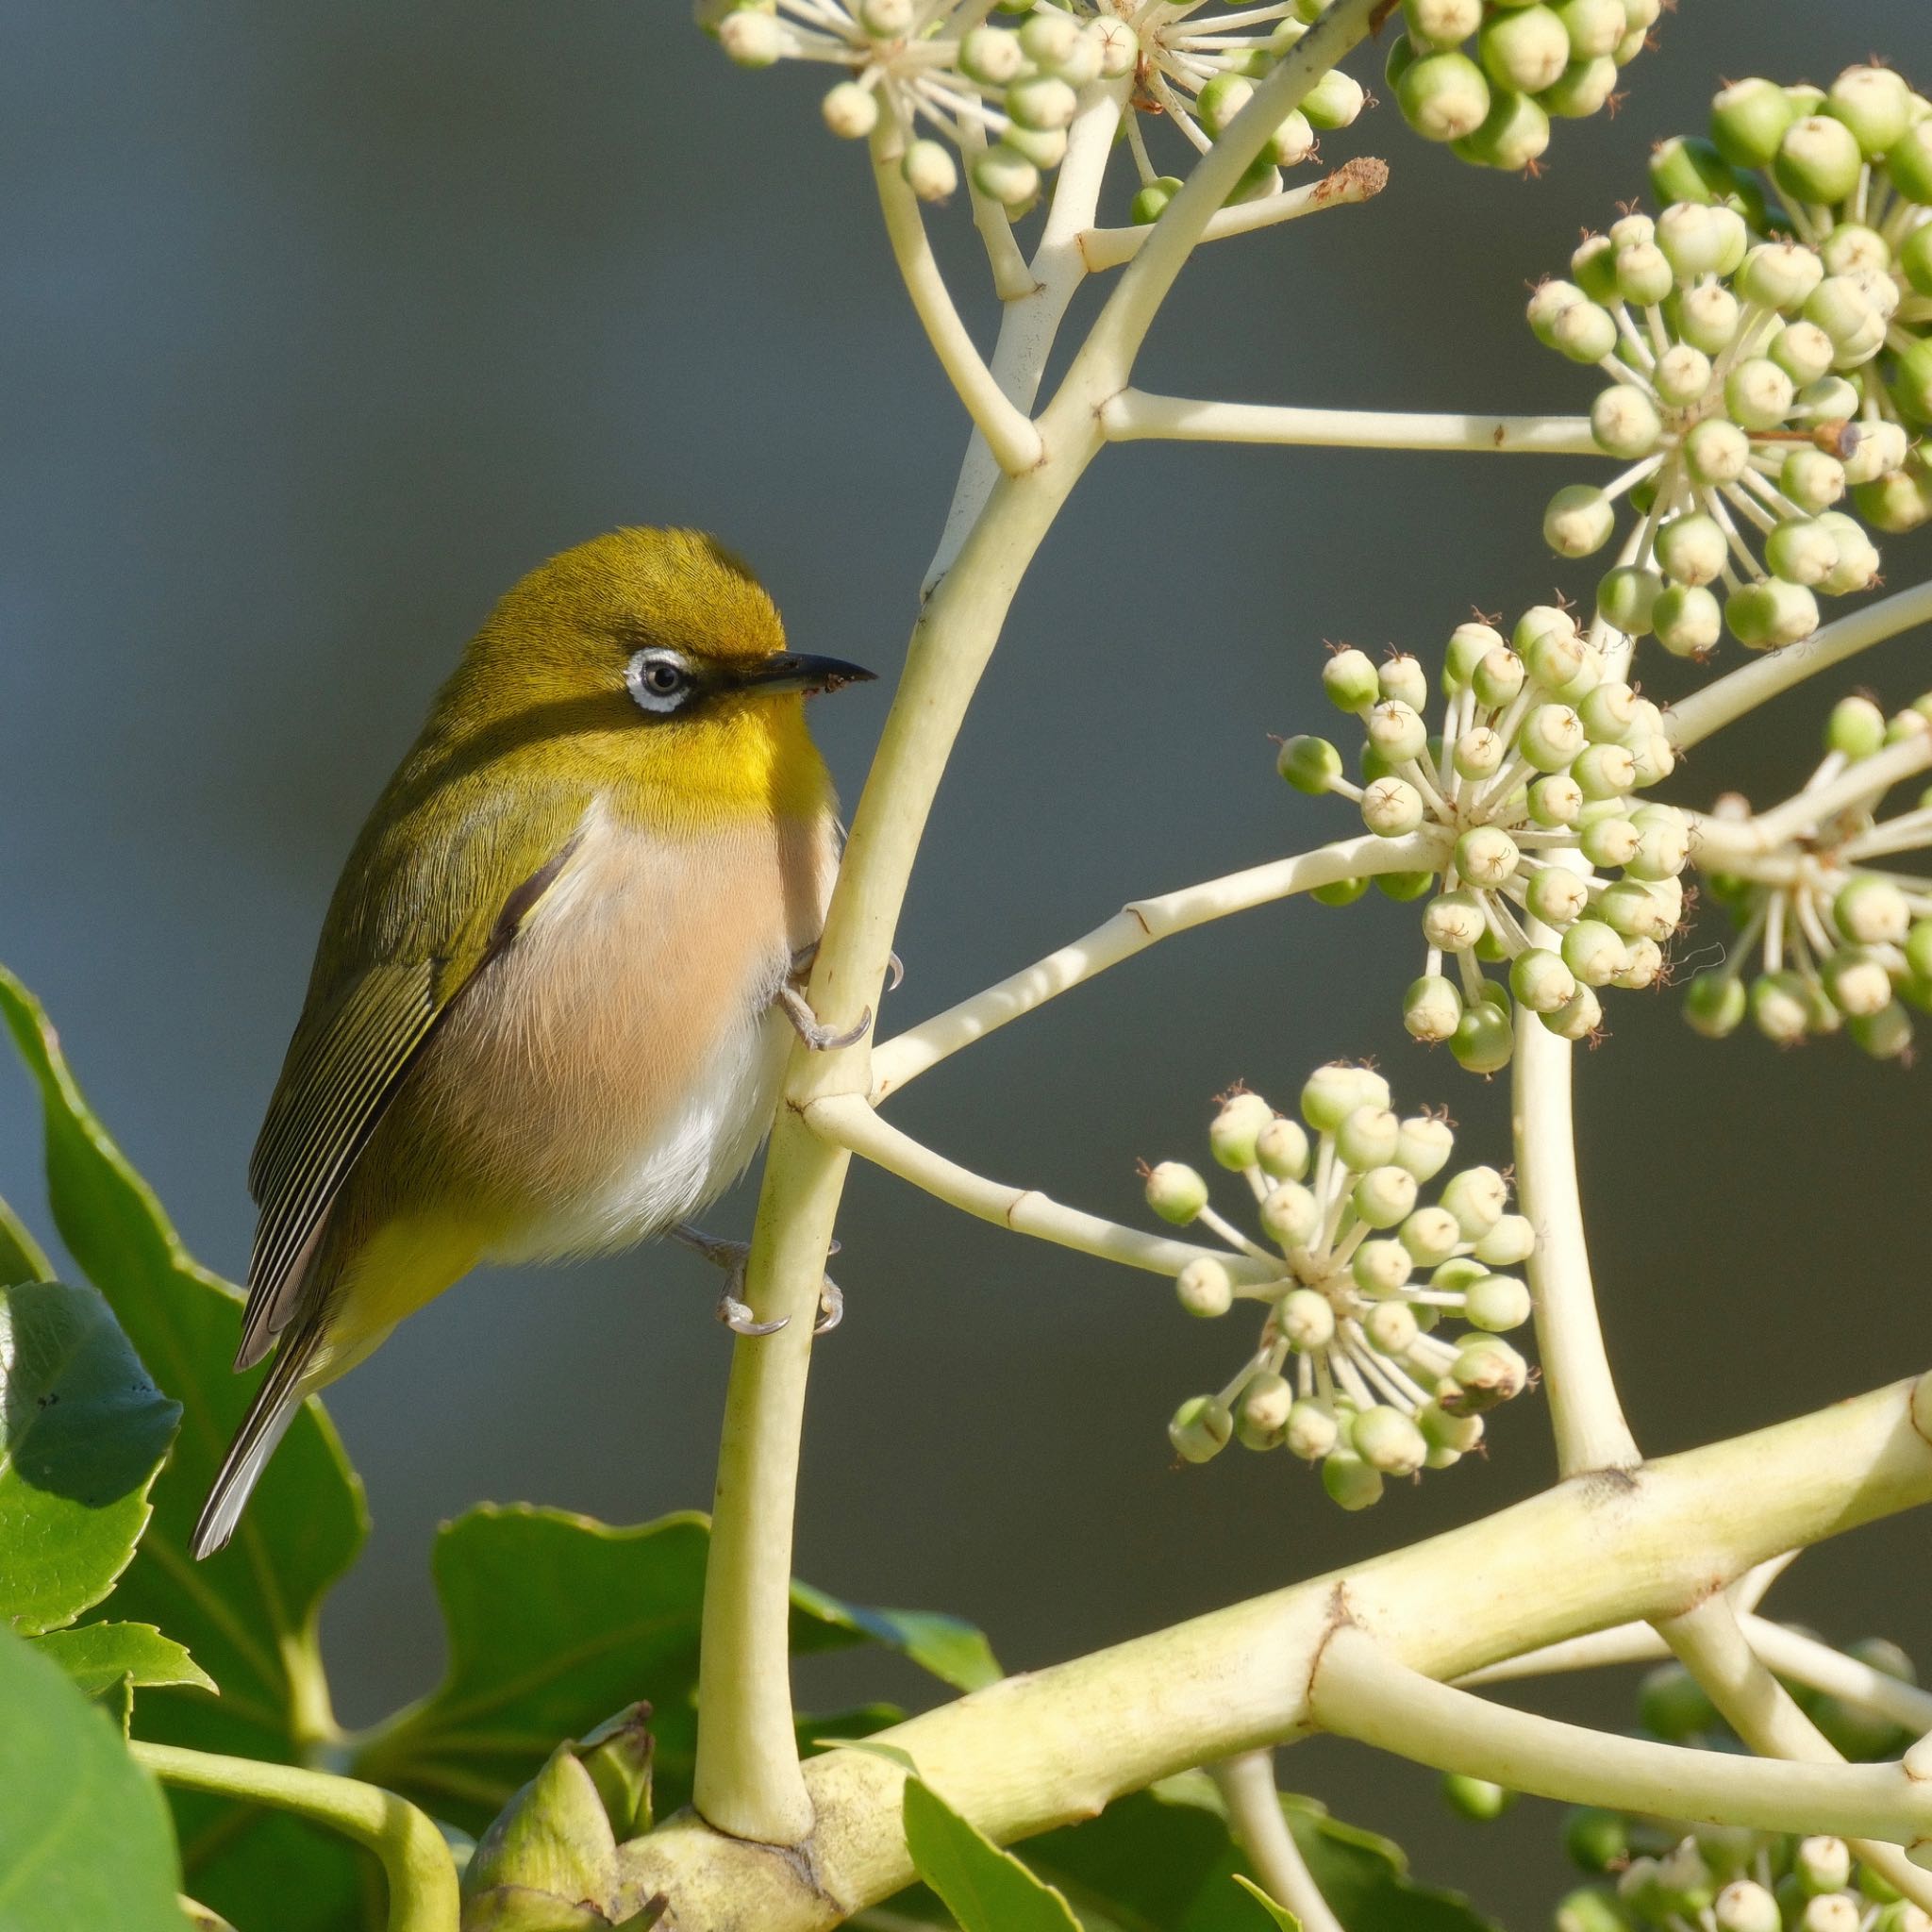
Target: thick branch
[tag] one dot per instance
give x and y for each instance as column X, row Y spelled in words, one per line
column 1056, row 1744
column 1693, row 719
column 1133, row 414
column 1361, row 1690
column 1134, row 928
column 848, row 1122
column 1357, row 180
column 415, row 1860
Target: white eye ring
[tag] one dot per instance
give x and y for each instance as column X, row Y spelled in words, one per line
column 658, row 680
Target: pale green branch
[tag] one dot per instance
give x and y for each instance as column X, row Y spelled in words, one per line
column 1253, row 1812
column 1134, row 415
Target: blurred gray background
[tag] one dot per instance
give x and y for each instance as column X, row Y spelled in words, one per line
column 322, row 324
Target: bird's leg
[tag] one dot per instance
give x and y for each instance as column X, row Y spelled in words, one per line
column 733, row 1310
column 807, row 1023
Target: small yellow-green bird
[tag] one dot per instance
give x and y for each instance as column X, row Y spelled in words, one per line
column 549, row 1008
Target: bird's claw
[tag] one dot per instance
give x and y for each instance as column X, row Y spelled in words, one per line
column 738, row 1317
column 813, row 1030
column 733, row 1310
column 831, row 1307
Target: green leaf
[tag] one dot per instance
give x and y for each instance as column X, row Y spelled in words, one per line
column 20, row 1259
column 82, row 1433
column 952, row 1650
column 555, row 1621
column 1280, row 1914
column 84, row 1835
column 100, row 1656
column 986, row 1889
column 249, row 1613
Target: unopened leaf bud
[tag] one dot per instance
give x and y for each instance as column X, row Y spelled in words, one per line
column 1204, row 1288
column 1202, row 1428
column 1175, row 1192
column 555, row 1836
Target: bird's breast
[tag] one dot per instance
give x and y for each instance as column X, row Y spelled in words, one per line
column 617, row 1065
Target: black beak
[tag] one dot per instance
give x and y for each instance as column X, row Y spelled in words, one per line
column 784, row 671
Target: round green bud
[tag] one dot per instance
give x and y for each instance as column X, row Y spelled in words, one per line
column 1910, row 164
column 1811, row 479
column 1871, row 450
column 1004, row 175
column 1119, row 48
column 1175, row 1192
column 1332, row 1092
column 1714, row 1004
column 1708, row 317
column 1682, row 374
column 1557, row 896
column 1443, row 96
column 1334, row 101
column 930, row 171
column 1590, row 1910
column 1915, row 254
column 1402, row 887
column 1549, row 737
column 1455, row 1276
column 1391, row 807
column 1381, row 1268
column 1919, row 948
column 1818, row 159
column 1150, row 204
column 1857, row 981
column 1476, row 1798
column 1875, row 104
column 1596, row 1841
column 1594, row 953
column 1050, row 39
column 1686, row 169
column 1476, row 1197
column 1349, row 1480
column 1779, row 274
column 1290, row 1214
column 1911, row 380
column 1547, row 302
column 1579, row 520
column 1487, row 857
column 1624, row 422
column 1384, row 1196
column 1745, row 1905
column 1402, row 678
column 1204, row 1288
column 751, row 36
column 1581, row 89
column 1578, row 1018
column 1541, row 981
column 1237, row 1128
column 1310, row 765
column 1305, row 1320
column 1605, row 771
column 1694, row 239
column 1483, row 1040
column 1424, row 1146
column 1555, row 802
column 1351, row 681
column 1514, row 134
column 1593, row 262
column 1758, row 393
column 1392, row 1328
column 1486, row 1372
column 1263, row 1413
column 1886, row 1035
column 1871, row 911
column 1512, row 1240
column 1388, row 1440
column 1764, row 616
column 1281, row 1149
column 1523, row 50
column 1608, row 713
column 1671, row 1704
column 1627, row 598
column 1454, row 922
column 1748, row 119
column 1470, row 644
column 1898, row 503
column 1662, row 851
column 850, row 111
column 1480, row 752
column 1437, row 24
column 1781, row 1008
column 1431, row 1235
column 1221, row 99
column 1498, row 678
column 1644, row 274
column 1716, row 451
column 1496, row 1304
column 1312, row 1430
column 1396, row 732
column 1822, row 1864
column 1632, row 45
column 1852, row 246
column 1584, row 332
column 992, row 55
column 1201, row 1428
column 1801, row 550
column 1841, row 306
column 1046, row 147
column 1367, row 1138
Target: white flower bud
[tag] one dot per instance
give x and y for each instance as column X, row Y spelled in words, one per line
column 1584, row 332
column 1487, row 857
column 1480, row 752
column 1281, row 1149
column 1311, row 1430
column 1004, row 175
column 1476, row 1197
column 1488, row 1371
column 1541, row 980
column 1745, row 1905
column 1780, row 275
column 1692, row 549
column 1398, row 732
column 1510, row 1242
column 1858, row 983
column 1236, row 1128
column 1496, row 1304
column 1423, row 1146
column 1367, row 1138
column 930, row 171
column 1454, row 922
column 1803, row 351
column 1624, row 422
column 1431, row 1235
column 1384, row 1196
column 1577, row 1019
column 1201, row 1429
column 1605, row 771
column 1119, row 48
column 1555, row 802
column 1871, row 911
column 1351, row 680
column 1264, row 1410
column 751, row 36
column 1814, row 480
column 1350, row 1481
column 1551, row 736
column 1204, row 1288
column 1332, row 1092
column 1437, row 23
column 1290, row 1214
column 1594, row 951
column 1708, row 317
column 1305, row 1320
column 1392, row 806
column 1717, row 451
column 1402, row 679
column 1175, row 1192
column 1049, row 38
column 1381, row 1268
column 1758, row 393
column 992, row 55
column 1858, row 555
column 1390, row 1327
column 1557, row 896
column 1043, row 101
column 1387, row 1441
column 1682, row 374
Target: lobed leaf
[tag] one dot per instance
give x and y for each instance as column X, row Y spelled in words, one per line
column 986, row 1888
column 100, row 1656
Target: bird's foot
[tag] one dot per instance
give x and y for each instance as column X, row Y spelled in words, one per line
column 733, row 1310
column 811, row 1029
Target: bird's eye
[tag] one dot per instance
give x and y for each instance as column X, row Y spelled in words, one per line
column 658, row 681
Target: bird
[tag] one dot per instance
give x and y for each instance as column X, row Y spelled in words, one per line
column 555, row 984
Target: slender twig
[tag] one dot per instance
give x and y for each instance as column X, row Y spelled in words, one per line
column 1133, row 929
column 1692, row 720
column 1716, row 841
column 1012, row 437
column 1133, row 414
column 1057, row 1745
column 1355, row 181
column 848, row 1122
column 1805, row 1659
column 415, row 1860
column 1361, row 1690
column 1253, row 1812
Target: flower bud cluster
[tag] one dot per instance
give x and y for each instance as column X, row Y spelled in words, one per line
column 1353, row 1371
column 1545, row 856
column 999, row 86
column 1671, row 1874
column 1827, row 941
column 1493, row 99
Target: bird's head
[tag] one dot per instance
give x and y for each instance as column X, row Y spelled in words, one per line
column 654, row 654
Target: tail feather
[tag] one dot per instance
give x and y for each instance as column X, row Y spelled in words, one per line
column 269, row 1415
